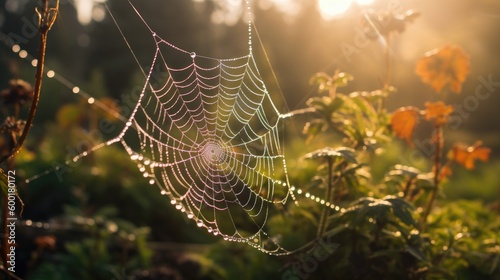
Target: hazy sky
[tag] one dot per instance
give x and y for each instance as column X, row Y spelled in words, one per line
column 230, row 11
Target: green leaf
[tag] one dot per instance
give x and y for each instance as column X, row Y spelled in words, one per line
column 314, row 127
column 495, row 263
column 342, row 79
column 416, row 253
column 391, row 253
column 351, row 170
column 348, row 154
column 401, row 209
column 325, row 105
column 425, row 181
column 336, row 230
column 365, row 106
column 4, row 183
column 335, row 104
column 361, row 129
column 319, row 78
column 342, row 152
column 403, row 170
column 319, row 102
column 369, row 207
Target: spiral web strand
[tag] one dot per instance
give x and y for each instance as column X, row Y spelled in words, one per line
column 206, row 132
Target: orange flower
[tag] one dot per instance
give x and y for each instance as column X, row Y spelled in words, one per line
column 447, row 66
column 466, row 156
column 438, row 111
column 403, row 122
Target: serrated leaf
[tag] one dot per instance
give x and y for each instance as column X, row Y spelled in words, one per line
column 438, row 112
column 444, row 67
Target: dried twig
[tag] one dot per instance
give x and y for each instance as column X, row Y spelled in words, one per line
column 46, row 19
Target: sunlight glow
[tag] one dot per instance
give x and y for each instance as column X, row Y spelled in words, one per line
column 229, row 13
column 88, row 10
column 364, row 2
column 330, row 9
column 289, row 8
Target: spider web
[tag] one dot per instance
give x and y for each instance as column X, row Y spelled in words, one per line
column 206, row 131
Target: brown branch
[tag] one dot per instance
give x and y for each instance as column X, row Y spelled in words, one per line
column 9, row 274
column 45, row 21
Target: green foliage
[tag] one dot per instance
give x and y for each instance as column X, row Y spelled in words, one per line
column 357, row 116
column 376, row 220
column 96, row 248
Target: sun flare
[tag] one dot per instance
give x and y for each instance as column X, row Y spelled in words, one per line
column 332, row 8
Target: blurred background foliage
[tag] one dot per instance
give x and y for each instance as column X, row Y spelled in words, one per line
column 98, row 219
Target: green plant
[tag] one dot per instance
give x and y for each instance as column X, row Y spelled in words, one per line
column 392, row 226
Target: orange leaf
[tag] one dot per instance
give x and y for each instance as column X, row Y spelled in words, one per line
column 447, row 66
column 445, row 172
column 438, row 111
column 466, row 156
column 403, row 122
column 47, row 241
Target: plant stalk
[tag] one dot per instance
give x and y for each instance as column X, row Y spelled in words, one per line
column 46, row 19
column 438, row 144
column 5, row 234
column 326, row 209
